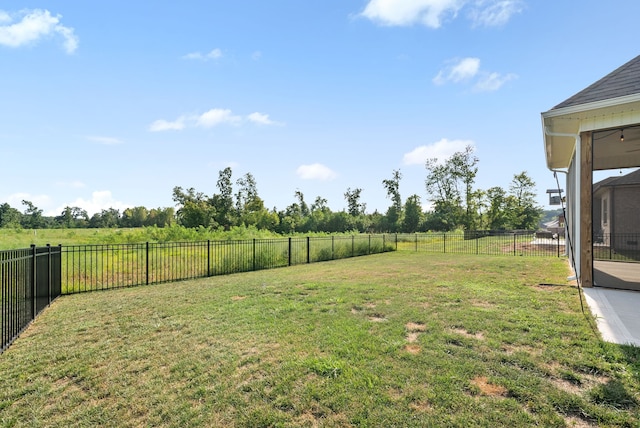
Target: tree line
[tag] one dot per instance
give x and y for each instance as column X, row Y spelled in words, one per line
column 455, row 204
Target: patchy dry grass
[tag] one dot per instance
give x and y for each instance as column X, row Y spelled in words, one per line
column 399, row 339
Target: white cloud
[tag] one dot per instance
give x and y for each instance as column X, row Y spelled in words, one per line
column 216, row 117
column 440, row 150
column 261, row 119
column 468, row 69
column 35, row 25
column 496, row 13
column 432, row 13
column 459, row 71
column 315, row 171
column 109, row 141
column 100, row 200
column 214, row 54
column 210, row 119
column 163, row 125
column 409, row 12
column 492, row 81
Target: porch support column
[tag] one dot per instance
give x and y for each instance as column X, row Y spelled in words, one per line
column 586, row 210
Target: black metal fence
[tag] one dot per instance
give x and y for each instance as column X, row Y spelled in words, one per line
column 30, row 279
column 518, row 243
column 617, row 246
column 101, row 267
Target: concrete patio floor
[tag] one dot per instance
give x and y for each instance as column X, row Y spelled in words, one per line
column 617, row 314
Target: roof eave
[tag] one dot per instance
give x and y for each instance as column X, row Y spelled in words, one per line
column 561, row 126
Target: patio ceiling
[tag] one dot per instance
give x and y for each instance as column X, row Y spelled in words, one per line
column 607, row 119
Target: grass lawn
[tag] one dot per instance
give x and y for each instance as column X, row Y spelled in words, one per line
column 397, row 339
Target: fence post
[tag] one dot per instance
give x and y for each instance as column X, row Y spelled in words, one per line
column 477, row 239
column 49, row 271
column 369, row 244
column 416, row 242
column 308, row 249
column 444, row 242
column 383, row 243
column 353, row 244
column 514, row 244
column 333, row 248
column 208, row 257
column 147, row 261
column 610, row 246
column 254, row 253
column 289, row 251
column 34, row 290
column 396, row 241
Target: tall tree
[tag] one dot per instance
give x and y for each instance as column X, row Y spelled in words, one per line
column 497, row 218
column 223, row 201
column 73, row 217
column 354, row 206
column 9, row 217
column 193, row 208
column 442, row 186
column 32, row 218
column 304, row 208
column 134, row 217
column 521, row 204
column 394, row 212
column 247, row 192
column 412, row 214
column 453, row 207
column 464, row 168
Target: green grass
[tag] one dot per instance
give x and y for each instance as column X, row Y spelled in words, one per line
column 397, row 339
column 23, row 238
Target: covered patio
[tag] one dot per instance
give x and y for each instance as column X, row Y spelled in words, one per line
column 596, row 129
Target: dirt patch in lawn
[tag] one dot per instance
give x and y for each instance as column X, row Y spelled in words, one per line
column 487, row 388
column 465, row 333
column 412, row 349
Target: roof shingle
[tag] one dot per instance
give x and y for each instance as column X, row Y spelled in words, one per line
column 625, row 80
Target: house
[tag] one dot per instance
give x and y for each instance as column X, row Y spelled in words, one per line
column 596, row 129
column 616, row 212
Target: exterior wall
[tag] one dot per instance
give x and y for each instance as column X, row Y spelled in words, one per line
column 627, row 209
column 626, row 217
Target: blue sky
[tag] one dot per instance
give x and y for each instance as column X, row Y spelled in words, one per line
column 112, row 104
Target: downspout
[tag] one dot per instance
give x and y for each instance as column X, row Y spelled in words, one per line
column 576, row 207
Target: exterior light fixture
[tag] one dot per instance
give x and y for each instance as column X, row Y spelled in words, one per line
column 621, row 136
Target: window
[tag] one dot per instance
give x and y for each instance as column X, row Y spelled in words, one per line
column 605, row 211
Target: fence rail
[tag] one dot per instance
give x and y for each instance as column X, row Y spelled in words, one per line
column 518, row 243
column 617, row 246
column 101, row 267
column 29, row 281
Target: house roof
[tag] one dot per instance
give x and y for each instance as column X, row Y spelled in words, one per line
column 619, row 83
column 612, row 104
column 630, row 179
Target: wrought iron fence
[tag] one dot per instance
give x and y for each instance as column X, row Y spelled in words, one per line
column 101, row 267
column 515, row 243
column 30, row 279
column 617, row 246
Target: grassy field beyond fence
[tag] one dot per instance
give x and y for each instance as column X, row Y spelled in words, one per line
column 395, row 339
